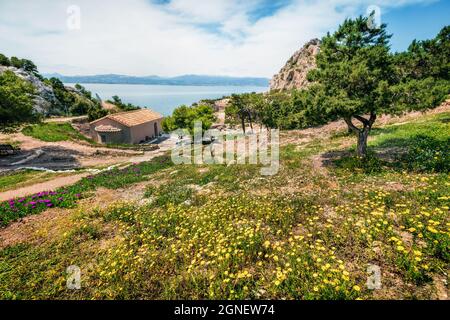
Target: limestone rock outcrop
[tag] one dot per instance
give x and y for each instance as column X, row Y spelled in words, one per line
column 45, row 98
column 294, row 74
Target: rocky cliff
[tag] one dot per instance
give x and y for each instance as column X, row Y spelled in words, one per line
column 45, row 98
column 294, row 74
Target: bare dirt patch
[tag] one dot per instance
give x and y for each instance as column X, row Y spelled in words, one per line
column 37, row 228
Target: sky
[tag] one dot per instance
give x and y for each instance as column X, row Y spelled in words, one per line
column 175, row 37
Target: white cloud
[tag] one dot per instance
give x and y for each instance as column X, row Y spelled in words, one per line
column 139, row 37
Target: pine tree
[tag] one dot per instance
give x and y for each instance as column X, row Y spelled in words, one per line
column 358, row 80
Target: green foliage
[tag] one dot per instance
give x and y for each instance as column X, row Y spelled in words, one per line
column 96, row 112
column 16, row 100
column 68, row 102
column 428, row 58
column 71, row 102
column 354, row 68
column 4, row 61
column 238, row 110
column 122, row 106
column 184, row 117
column 53, row 132
column 357, row 74
column 357, row 79
column 83, row 91
column 24, row 64
column 65, row 98
column 169, row 194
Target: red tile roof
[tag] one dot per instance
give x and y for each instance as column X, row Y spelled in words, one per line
column 133, row 118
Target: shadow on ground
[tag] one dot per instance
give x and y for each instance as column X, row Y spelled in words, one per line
column 52, row 158
column 419, row 153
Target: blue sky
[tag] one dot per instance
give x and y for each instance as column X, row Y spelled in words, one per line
column 173, row 37
column 420, row 21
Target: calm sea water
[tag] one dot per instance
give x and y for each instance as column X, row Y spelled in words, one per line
column 164, row 99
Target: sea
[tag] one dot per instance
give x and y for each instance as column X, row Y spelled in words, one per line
column 163, row 98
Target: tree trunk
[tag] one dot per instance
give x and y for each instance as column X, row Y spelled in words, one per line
column 250, row 120
column 361, row 149
column 243, row 124
column 362, row 134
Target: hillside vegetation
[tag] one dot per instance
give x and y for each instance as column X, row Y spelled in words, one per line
column 225, row 232
column 340, row 211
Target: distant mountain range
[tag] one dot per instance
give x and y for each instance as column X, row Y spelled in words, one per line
column 185, row 80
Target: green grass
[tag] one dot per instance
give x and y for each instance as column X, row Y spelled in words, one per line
column 436, row 127
column 22, row 178
column 297, row 235
column 419, row 146
column 12, row 179
column 53, row 132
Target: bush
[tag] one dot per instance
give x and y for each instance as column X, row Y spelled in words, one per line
column 16, row 100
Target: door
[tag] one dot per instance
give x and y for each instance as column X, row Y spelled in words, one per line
column 156, row 129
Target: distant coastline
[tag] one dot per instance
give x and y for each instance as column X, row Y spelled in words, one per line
column 185, row 80
column 164, row 98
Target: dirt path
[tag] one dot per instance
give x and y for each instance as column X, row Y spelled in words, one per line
column 44, row 186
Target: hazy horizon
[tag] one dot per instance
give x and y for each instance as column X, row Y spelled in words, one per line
column 164, row 98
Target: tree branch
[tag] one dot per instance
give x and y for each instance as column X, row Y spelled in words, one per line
column 372, row 119
column 348, row 121
column 362, row 119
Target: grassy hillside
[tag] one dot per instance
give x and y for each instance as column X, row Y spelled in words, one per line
column 225, row 232
column 53, row 132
